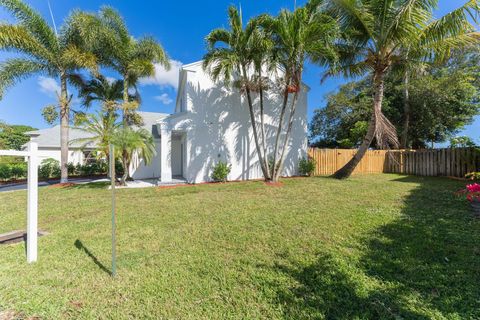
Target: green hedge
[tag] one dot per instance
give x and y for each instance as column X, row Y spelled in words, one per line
column 50, row 169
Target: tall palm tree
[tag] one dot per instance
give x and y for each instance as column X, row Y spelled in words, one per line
column 436, row 42
column 45, row 52
column 132, row 143
column 376, row 32
column 231, row 54
column 304, row 34
column 131, row 58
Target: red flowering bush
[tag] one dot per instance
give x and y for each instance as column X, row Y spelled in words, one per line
column 472, row 192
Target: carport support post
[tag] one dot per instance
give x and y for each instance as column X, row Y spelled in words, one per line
column 32, row 203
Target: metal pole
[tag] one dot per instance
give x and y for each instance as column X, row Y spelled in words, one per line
column 112, row 181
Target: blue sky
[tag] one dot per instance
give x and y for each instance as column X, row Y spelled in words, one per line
column 181, row 27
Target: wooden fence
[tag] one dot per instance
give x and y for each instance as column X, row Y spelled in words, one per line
column 454, row 162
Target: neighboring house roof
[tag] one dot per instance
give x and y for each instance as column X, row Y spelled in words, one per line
column 50, row 138
column 150, row 120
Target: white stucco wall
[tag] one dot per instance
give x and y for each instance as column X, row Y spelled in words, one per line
column 217, row 127
column 138, row 169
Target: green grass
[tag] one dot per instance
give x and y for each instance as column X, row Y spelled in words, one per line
column 377, row 246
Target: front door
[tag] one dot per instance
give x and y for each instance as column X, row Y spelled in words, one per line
column 177, row 156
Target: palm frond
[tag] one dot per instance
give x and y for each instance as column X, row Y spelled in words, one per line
column 74, row 57
column 33, row 22
column 18, row 38
column 148, row 48
column 216, row 36
column 17, row 69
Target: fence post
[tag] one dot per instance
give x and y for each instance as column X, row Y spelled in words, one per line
column 32, row 203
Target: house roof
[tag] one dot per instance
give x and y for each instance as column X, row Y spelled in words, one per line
column 50, row 137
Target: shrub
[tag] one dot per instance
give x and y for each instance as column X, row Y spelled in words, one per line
column 71, row 169
column 49, row 168
column 18, row 170
column 221, row 171
column 119, row 168
column 306, row 167
column 5, row 171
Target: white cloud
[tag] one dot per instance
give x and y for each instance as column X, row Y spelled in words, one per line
column 164, row 78
column 49, row 86
column 110, row 79
column 164, row 98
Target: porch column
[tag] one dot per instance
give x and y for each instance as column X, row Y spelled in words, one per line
column 165, row 153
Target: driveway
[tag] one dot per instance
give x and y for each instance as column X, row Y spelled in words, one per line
column 23, row 186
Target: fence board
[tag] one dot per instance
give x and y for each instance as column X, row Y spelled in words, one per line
column 430, row 162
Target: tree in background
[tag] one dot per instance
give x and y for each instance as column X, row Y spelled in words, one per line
column 443, row 100
column 107, row 35
column 462, row 142
column 13, row 136
column 436, row 42
column 44, row 52
column 376, row 35
column 100, row 89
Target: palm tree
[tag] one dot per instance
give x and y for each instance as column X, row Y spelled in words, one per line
column 306, row 33
column 100, row 89
column 376, row 32
column 436, row 43
column 45, row 52
column 132, row 143
column 131, row 58
column 100, row 129
column 231, row 53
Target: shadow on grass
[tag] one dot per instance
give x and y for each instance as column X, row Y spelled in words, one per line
column 80, row 246
column 423, row 265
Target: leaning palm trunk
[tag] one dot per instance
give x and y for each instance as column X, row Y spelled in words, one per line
column 379, row 128
column 64, row 123
column 279, row 167
column 406, row 111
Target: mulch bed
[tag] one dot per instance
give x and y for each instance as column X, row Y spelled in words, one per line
column 63, row 185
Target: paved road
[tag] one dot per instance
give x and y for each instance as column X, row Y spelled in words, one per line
column 23, row 186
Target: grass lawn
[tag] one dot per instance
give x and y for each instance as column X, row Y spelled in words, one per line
column 377, row 246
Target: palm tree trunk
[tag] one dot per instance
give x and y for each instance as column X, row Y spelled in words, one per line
column 262, row 123
column 126, row 166
column 348, row 168
column 254, row 127
column 125, row 101
column 64, row 123
column 406, row 110
column 279, row 131
column 287, row 136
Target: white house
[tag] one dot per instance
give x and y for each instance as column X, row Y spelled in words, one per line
column 210, row 123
